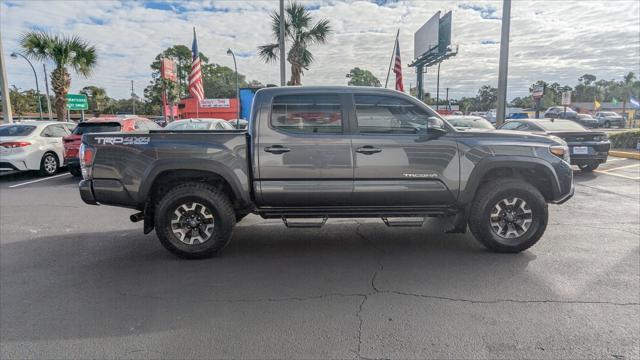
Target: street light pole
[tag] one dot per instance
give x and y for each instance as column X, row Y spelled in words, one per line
column 15, row 56
column 281, row 45
column 235, row 66
column 4, row 86
column 504, row 62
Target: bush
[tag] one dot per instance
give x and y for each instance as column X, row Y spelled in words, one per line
column 625, row 140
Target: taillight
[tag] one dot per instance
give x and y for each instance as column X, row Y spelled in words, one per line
column 87, row 155
column 15, row 144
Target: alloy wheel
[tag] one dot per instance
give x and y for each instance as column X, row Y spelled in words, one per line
column 50, row 164
column 192, row 223
column 511, row 218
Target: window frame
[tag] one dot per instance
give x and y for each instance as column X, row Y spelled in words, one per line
column 344, row 110
column 424, row 107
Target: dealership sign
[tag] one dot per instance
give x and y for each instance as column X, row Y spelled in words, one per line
column 215, row 103
column 168, row 69
column 537, row 91
column 77, row 102
column 566, row 98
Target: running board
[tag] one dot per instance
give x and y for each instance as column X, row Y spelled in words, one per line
column 304, row 223
column 414, row 222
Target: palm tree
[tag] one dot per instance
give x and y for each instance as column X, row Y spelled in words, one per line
column 300, row 34
column 65, row 52
column 97, row 98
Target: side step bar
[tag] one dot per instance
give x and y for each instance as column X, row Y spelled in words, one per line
column 305, row 223
column 404, row 222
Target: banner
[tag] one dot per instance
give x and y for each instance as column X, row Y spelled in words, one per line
column 168, row 69
column 215, row 103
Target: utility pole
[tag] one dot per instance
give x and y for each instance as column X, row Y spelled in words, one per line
column 281, row 44
column 448, row 105
column 46, row 86
column 133, row 98
column 438, row 87
column 504, row 62
column 6, row 102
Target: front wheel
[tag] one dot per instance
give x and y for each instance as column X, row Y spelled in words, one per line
column 607, row 124
column 508, row 215
column 49, row 164
column 194, row 220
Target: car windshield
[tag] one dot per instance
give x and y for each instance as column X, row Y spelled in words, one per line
column 87, row 128
column 560, row 125
column 470, row 123
column 194, row 125
column 16, row 130
column 609, row 113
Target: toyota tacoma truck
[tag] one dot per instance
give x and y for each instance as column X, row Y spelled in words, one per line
column 313, row 153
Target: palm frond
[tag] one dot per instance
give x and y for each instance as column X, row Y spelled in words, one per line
column 81, row 56
column 36, row 45
column 62, row 50
column 268, row 52
column 298, row 16
column 319, row 32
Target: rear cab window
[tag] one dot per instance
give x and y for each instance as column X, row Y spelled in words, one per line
column 307, row 114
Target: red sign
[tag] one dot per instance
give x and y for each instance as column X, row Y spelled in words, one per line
column 168, row 69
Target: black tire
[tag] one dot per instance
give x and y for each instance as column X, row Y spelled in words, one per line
column 49, row 164
column 588, row 167
column 74, row 170
column 607, row 124
column 214, row 201
column 489, row 196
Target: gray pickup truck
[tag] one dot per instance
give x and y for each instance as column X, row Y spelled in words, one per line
column 311, row 153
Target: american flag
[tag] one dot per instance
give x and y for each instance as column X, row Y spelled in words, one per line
column 195, row 77
column 397, row 68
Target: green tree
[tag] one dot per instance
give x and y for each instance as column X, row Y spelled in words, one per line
column 65, row 52
column 97, row 97
column 23, row 102
column 524, row 102
column 300, row 34
column 362, row 77
column 487, row 97
column 220, row 81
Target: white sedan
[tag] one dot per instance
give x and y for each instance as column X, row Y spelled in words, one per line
column 199, row 124
column 33, row 145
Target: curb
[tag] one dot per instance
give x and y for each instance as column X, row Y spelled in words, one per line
column 625, row 154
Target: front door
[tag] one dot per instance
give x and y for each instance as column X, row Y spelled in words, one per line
column 396, row 162
column 304, row 152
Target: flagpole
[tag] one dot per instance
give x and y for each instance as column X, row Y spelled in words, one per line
column 393, row 54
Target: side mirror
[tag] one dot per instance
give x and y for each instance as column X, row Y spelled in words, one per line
column 436, row 127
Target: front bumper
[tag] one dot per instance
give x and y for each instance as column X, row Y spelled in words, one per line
column 565, row 198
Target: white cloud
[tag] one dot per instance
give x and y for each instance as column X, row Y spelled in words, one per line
column 553, row 41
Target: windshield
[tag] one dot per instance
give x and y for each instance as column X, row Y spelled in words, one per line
column 190, row 125
column 16, row 130
column 584, row 116
column 86, row 128
column 559, row 125
column 609, row 113
column 470, row 122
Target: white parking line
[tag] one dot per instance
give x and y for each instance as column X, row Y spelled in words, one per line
column 622, row 167
column 35, row 181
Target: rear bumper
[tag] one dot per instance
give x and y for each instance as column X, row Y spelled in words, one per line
column 72, row 161
column 86, row 192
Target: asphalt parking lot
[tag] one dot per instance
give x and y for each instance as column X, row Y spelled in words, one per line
column 80, row 281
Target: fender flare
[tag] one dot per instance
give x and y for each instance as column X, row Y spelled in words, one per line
column 210, row 166
column 520, row 162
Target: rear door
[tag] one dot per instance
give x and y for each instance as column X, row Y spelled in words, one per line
column 304, row 152
column 53, row 135
column 396, row 163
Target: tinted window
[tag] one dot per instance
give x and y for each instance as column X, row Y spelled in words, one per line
column 470, row 122
column 16, row 130
column 316, row 113
column 511, row 125
column 86, row 128
column 54, row 131
column 563, row 126
column 390, row 115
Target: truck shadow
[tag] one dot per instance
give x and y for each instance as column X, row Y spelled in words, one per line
column 106, row 284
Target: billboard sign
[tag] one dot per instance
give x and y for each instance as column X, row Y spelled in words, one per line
column 444, row 33
column 537, row 91
column 215, row 103
column 566, row 98
column 168, row 69
column 427, row 38
column 77, row 102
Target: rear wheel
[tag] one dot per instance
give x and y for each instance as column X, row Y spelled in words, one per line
column 49, row 164
column 588, row 167
column 508, row 215
column 194, row 220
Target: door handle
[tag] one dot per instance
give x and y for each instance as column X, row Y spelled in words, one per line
column 368, row 150
column 277, row 149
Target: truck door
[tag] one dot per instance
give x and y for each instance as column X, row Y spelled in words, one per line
column 396, row 161
column 304, row 152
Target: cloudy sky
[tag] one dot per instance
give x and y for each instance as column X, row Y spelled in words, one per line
column 550, row 40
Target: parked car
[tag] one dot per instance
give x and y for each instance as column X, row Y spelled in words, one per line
column 608, row 119
column 320, row 152
column 588, row 149
column 199, row 124
column 101, row 125
column 517, row 115
column 466, row 122
column 234, row 123
column 555, row 112
column 33, row 145
column 586, row 120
